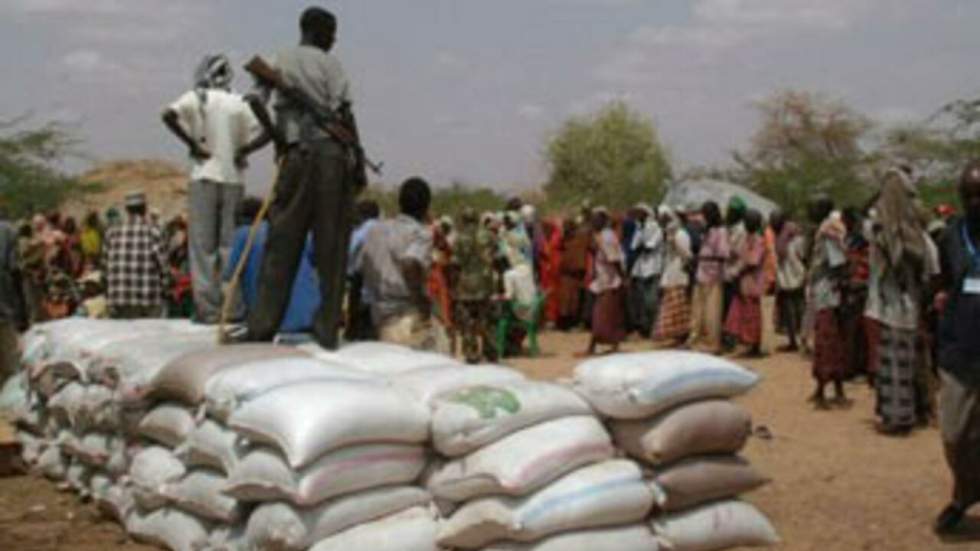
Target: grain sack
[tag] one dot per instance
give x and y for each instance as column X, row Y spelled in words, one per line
column 168, row 528
column 66, row 404
column 93, row 449
column 307, row 421
column 130, row 366
column 52, row 463
column 200, row 493
column 211, row 445
column 263, row 474
column 524, row 461
column 225, row 391
column 608, row 494
column 13, row 395
column 701, row 428
column 626, row 538
column 184, row 379
column 714, row 527
column 473, row 417
column 97, row 409
column 151, row 469
column 114, row 501
column 167, row 424
column 704, row 479
column 412, row 530
column 284, row 528
column 640, row 385
column 78, row 478
column 432, row 382
column 31, row 447
column 390, row 359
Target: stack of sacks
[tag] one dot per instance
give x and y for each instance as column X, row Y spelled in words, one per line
column 529, row 462
column 326, row 459
column 670, row 410
column 71, row 428
column 180, row 472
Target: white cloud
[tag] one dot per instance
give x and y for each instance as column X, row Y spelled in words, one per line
column 829, row 14
column 87, row 62
column 530, row 111
column 450, row 61
column 72, row 6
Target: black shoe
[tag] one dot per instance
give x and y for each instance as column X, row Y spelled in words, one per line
column 949, row 519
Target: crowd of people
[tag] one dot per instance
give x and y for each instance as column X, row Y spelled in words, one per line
column 884, row 290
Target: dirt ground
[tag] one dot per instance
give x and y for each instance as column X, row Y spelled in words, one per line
column 837, row 484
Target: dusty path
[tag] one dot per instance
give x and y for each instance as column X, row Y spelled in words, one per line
column 838, row 486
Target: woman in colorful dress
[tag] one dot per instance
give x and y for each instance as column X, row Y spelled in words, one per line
column 609, row 312
column 674, row 321
column 744, row 320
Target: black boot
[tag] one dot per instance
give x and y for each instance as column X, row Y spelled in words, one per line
column 949, row 519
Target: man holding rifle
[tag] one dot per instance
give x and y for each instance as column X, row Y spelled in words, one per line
column 321, row 169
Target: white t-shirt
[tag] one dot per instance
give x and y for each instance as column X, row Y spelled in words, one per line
column 225, row 124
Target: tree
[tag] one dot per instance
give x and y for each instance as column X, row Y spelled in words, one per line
column 806, row 145
column 938, row 148
column 613, row 157
column 30, row 180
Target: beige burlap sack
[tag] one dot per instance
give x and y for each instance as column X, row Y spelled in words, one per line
column 185, row 378
column 700, row 428
column 702, row 480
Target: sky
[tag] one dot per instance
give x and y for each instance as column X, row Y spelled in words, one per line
column 469, row 91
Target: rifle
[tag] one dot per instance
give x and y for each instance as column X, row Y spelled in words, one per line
column 339, row 126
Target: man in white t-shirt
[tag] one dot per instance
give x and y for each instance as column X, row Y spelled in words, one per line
column 218, row 127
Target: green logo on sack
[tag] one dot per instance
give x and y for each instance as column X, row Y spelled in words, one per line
column 488, row 401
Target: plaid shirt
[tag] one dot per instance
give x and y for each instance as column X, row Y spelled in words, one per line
column 136, row 265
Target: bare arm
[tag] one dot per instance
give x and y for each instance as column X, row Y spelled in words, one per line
column 257, row 103
column 172, row 121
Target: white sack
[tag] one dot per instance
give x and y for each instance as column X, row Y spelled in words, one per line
column 307, row 421
column 608, row 494
column 211, row 445
column 524, row 461
column 184, row 379
column 389, row 359
column 640, row 385
column 151, row 469
column 473, row 417
column 97, row 408
column 626, row 538
column 283, row 528
column 13, row 394
column 113, row 500
column 131, row 365
column 432, row 382
column 31, row 447
column 52, row 463
column 93, row 449
column 78, row 478
column 263, row 474
column 168, row 528
column 168, row 424
column 412, row 530
column 200, row 493
column 66, row 404
column 225, row 391
column 714, row 527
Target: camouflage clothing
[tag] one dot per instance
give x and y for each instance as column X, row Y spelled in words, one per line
column 472, row 291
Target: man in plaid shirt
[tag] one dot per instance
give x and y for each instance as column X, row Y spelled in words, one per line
column 136, row 264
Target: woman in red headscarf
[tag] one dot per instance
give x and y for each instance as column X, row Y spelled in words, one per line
column 551, row 270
